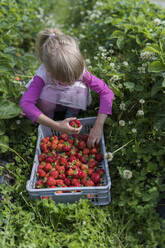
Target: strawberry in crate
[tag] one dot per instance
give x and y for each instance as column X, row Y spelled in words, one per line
column 67, row 162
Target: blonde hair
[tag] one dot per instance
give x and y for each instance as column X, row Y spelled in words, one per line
column 60, row 54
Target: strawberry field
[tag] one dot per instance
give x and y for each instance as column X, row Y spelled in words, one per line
column 123, row 43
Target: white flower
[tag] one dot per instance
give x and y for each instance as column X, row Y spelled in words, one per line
column 109, row 58
column 109, row 156
column 114, row 78
column 18, row 122
column 134, row 130
column 140, row 112
column 81, row 12
column 125, row 63
column 142, row 101
column 120, row 86
column 88, row 61
column 112, row 65
column 122, row 123
column 157, row 21
column 146, row 55
column 111, row 51
column 163, row 91
column 130, row 122
column 81, row 36
column 95, row 57
column 163, row 74
column 127, row 174
column 122, row 106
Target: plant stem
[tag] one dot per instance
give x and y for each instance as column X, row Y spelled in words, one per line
column 121, row 147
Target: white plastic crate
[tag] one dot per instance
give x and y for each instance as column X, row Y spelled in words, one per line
column 99, row 195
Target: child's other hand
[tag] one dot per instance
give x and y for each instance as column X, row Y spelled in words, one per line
column 64, row 126
column 95, row 135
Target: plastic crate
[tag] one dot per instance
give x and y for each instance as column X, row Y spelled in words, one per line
column 99, row 195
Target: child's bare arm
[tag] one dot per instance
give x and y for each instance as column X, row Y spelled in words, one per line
column 61, row 126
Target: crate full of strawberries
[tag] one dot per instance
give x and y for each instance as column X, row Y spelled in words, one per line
column 66, row 170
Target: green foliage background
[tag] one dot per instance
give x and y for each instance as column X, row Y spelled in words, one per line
column 110, row 33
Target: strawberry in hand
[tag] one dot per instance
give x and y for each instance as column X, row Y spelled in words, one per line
column 75, row 123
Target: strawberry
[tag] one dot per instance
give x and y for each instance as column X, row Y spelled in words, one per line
column 63, row 161
column 84, row 159
column 41, row 173
column 85, row 151
column 39, row 184
column 47, row 167
column 84, row 166
column 101, row 171
column 90, row 171
column 99, row 157
column 96, row 177
column 54, row 173
column 94, row 150
column 50, row 159
column 75, row 181
column 66, row 147
column 75, row 123
column 60, row 182
column 61, row 169
column 78, row 173
column 84, row 137
column 72, row 158
column 81, row 144
column 92, row 163
column 51, row 181
column 70, row 141
column 40, row 166
column 70, row 172
column 42, row 157
column 62, row 176
column 59, row 147
column 67, row 181
column 64, row 136
column 89, row 183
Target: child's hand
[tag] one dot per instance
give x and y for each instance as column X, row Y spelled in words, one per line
column 95, row 135
column 64, row 126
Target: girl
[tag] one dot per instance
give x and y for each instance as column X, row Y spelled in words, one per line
column 62, row 81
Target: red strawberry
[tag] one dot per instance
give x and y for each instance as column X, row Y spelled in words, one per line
column 40, row 166
column 41, row 157
column 99, row 157
column 61, row 169
column 66, row 147
column 75, row 181
column 41, row 173
column 62, row 176
column 47, row 167
column 70, row 172
column 51, row 181
column 54, row 173
column 96, row 177
column 84, row 159
column 63, row 161
column 81, row 144
column 75, row 123
column 92, row 163
column 101, row 171
column 70, row 141
column 90, row 171
column 64, row 136
column 84, row 137
column 94, row 150
column 67, row 181
column 60, row 182
column 89, row 183
column 85, row 151
column 78, row 173
column 72, row 158
column 39, row 184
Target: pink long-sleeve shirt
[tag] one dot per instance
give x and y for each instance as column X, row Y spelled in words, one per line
column 32, row 94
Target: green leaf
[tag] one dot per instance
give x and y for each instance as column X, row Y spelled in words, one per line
column 162, row 44
column 156, row 66
column 163, row 83
column 4, row 143
column 156, row 87
column 120, row 42
column 129, row 85
column 2, row 127
column 8, row 109
column 154, row 49
column 117, row 34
